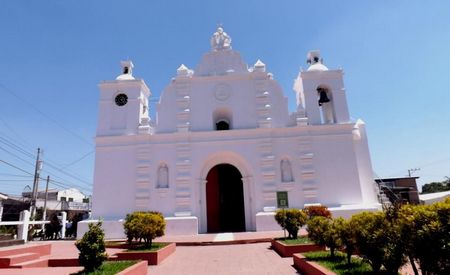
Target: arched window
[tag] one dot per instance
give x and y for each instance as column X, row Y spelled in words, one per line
column 222, row 119
column 222, row 125
column 163, row 176
column 286, row 171
column 325, row 104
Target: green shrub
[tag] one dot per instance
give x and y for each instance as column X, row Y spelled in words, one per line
column 291, row 220
column 324, row 231
column 427, row 229
column 92, row 248
column 145, row 226
column 371, row 237
column 347, row 234
column 317, row 210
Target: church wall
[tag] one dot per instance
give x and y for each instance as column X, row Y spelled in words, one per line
column 337, row 176
column 114, row 192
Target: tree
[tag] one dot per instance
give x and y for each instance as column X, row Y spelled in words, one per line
column 92, row 248
column 371, row 237
column 347, row 234
column 291, row 220
column 317, row 210
column 144, row 226
column 427, row 228
column 395, row 247
column 324, row 231
column 434, row 187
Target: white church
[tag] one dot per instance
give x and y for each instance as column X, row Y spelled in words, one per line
column 223, row 145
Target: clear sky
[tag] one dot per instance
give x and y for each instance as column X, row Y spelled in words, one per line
column 395, row 55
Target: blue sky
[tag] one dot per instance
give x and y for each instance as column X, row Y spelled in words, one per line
column 395, row 55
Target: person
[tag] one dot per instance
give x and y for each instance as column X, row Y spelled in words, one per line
column 220, row 40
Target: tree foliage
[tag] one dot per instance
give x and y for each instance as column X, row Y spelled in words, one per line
column 434, row 187
column 325, row 231
column 317, row 210
column 371, row 237
column 427, row 228
column 92, row 248
column 144, row 226
column 291, row 220
column 347, row 234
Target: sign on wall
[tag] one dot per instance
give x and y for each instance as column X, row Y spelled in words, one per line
column 282, row 199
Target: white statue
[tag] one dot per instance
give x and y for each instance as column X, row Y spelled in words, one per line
column 163, row 176
column 220, row 40
column 286, row 171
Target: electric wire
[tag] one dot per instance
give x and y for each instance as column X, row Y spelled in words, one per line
column 45, row 115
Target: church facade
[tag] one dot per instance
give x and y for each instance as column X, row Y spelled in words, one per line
column 223, row 146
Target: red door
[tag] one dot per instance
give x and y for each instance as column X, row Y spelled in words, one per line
column 212, row 200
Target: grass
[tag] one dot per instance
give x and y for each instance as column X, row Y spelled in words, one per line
column 299, row 240
column 143, row 248
column 109, row 268
column 339, row 263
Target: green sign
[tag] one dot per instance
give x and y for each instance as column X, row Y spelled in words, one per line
column 282, row 199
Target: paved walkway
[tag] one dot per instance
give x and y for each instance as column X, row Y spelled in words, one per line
column 236, row 259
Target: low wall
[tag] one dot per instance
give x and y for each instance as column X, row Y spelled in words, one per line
column 139, row 268
column 114, row 229
column 265, row 221
column 309, row 268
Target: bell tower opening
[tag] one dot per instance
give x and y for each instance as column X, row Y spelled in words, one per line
column 222, row 126
column 225, row 200
column 222, row 119
column 326, row 105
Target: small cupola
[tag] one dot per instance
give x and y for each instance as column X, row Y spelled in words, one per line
column 127, row 70
column 316, row 63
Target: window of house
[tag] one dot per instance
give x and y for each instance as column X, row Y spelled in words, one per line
column 63, row 199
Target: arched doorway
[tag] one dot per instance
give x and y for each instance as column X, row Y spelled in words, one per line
column 225, row 199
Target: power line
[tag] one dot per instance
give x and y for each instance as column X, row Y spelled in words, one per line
column 78, row 160
column 16, row 147
column 26, row 161
column 18, row 168
column 45, row 115
column 48, row 162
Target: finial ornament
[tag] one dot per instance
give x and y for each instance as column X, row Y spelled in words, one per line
column 220, row 40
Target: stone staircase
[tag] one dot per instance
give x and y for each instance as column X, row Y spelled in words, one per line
column 25, row 257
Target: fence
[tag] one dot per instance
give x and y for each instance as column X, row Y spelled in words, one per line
column 24, row 223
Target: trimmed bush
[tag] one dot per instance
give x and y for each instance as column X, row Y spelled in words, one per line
column 325, row 231
column 92, row 248
column 317, row 211
column 371, row 237
column 427, row 230
column 291, row 220
column 144, row 226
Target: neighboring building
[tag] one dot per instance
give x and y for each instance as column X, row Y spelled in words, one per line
column 399, row 189
column 223, row 144
column 62, row 200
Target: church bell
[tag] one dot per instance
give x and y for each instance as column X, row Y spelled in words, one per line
column 323, row 98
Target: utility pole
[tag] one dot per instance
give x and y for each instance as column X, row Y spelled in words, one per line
column 44, row 215
column 34, row 194
column 412, row 170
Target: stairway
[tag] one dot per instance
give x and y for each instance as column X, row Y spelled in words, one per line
column 23, row 257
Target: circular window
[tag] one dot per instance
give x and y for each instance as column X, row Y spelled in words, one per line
column 121, row 99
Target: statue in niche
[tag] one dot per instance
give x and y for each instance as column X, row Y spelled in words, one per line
column 163, row 176
column 286, row 171
column 220, row 40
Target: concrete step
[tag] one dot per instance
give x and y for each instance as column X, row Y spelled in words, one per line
column 33, row 263
column 6, row 261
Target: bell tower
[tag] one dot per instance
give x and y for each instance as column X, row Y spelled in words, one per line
column 321, row 93
column 123, row 106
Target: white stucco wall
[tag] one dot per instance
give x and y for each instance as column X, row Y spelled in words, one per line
column 330, row 162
